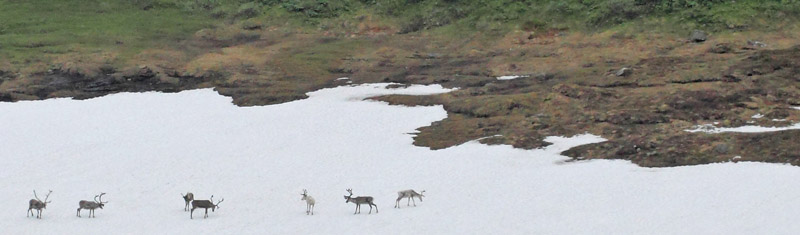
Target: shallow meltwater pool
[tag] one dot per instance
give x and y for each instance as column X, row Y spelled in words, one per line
column 146, row 149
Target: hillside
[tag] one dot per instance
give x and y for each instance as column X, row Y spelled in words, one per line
column 568, row 54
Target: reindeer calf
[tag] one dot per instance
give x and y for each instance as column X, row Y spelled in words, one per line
column 188, row 198
column 410, row 194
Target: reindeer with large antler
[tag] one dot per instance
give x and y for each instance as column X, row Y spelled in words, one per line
column 37, row 204
column 360, row 200
column 205, row 204
column 97, row 203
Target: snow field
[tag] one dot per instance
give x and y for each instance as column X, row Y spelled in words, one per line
column 145, row 149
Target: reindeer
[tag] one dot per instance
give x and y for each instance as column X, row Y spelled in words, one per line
column 360, row 200
column 309, row 202
column 188, row 198
column 97, row 203
column 205, row 204
column 37, row 204
column 410, row 194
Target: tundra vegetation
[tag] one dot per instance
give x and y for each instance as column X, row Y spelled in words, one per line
column 637, row 72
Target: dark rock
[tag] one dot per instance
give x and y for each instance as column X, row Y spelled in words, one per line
column 418, row 55
column 721, row 48
column 778, row 114
column 5, row 97
column 624, row 72
column 632, row 117
column 722, row 148
column 6, row 75
column 102, row 85
column 139, row 74
column 107, row 69
column 544, row 76
column 251, row 25
column 698, row 36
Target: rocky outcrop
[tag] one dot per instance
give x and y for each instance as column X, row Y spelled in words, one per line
column 698, row 36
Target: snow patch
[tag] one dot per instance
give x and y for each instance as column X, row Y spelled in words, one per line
column 144, row 149
column 757, row 116
column 511, row 77
column 708, row 128
column 486, row 137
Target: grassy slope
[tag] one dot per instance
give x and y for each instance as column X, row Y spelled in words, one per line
column 37, row 30
column 276, row 51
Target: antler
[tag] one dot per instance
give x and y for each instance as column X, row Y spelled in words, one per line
column 46, row 196
column 34, row 195
column 220, row 201
column 350, row 191
column 101, row 198
column 304, row 192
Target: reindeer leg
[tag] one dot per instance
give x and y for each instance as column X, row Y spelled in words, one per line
column 191, row 213
column 312, row 209
column 408, row 202
column 376, row 207
column 206, row 215
column 412, row 199
column 79, row 212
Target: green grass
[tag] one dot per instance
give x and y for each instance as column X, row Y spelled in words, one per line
column 31, row 29
column 34, row 31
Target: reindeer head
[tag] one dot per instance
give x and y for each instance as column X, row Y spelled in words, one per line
column 216, row 205
column 45, row 201
column 421, row 194
column 347, row 198
column 100, row 202
column 305, row 195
